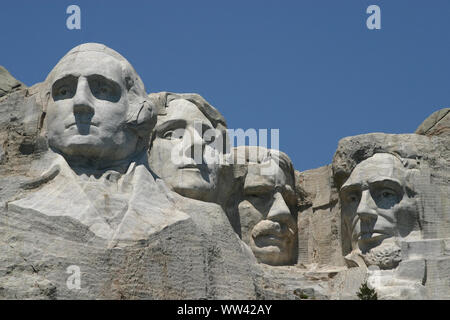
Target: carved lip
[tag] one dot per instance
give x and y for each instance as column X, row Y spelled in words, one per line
column 269, row 239
column 374, row 235
column 271, row 234
column 190, row 166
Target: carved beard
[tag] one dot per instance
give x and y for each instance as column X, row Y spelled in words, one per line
column 385, row 256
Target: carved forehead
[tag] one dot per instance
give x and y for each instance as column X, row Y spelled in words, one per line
column 181, row 109
column 255, row 175
column 379, row 166
column 264, row 166
column 88, row 63
column 95, row 57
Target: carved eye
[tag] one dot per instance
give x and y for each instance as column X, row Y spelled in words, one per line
column 388, row 194
column 353, row 198
column 209, row 139
column 104, row 89
column 63, row 91
column 64, row 88
column 208, row 134
column 259, row 196
column 385, row 198
column 172, row 134
column 168, row 135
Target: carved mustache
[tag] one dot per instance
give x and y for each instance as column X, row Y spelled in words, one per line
column 375, row 233
column 269, row 228
column 193, row 165
column 95, row 124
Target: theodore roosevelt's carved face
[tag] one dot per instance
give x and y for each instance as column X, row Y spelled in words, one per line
column 375, row 202
column 266, row 212
column 88, row 107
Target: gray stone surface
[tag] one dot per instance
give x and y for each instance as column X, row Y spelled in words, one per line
column 267, row 206
column 77, row 203
column 437, row 124
column 319, row 219
column 412, row 260
column 187, row 146
column 8, row 83
column 90, row 177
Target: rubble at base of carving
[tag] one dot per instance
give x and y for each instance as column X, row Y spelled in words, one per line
column 143, row 197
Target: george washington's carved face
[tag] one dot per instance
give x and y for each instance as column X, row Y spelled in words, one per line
column 376, row 204
column 88, row 107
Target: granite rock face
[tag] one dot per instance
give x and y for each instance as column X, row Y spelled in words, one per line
column 8, row 83
column 406, row 265
column 107, row 192
column 436, row 124
column 319, row 221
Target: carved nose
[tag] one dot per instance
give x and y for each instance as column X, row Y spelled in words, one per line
column 367, row 208
column 194, row 146
column 279, row 212
column 83, row 100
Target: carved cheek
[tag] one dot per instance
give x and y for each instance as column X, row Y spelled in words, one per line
column 246, row 208
column 249, row 214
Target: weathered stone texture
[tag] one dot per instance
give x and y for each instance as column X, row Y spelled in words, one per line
column 437, row 124
column 139, row 227
column 319, row 219
column 8, row 83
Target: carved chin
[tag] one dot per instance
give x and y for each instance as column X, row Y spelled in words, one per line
column 83, row 146
column 191, row 183
column 200, row 190
column 82, row 140
column 95, row 145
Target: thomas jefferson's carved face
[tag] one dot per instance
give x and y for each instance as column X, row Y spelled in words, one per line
column 267, row 223
column 375, row 204
column 183, row 152
column 88, row 106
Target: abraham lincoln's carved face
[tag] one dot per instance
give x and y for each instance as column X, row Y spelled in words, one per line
column 376, row 203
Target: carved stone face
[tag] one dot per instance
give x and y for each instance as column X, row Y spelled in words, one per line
column 267, row 223
column 375, row 202
column 183, row 152
column 88, row 106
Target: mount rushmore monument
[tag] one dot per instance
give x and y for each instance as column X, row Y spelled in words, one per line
column 144, row 196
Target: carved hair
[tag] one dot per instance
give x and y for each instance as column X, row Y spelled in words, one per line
column 257, row 154
column 162, row 100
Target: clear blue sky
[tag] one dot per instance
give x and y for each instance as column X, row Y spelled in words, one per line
column 309, row 68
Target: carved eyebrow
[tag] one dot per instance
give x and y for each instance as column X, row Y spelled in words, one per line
column 64, row 78
column 258, row 189
column 96, row 76
column 388, row 182
column 350, row 187
column 171, row 124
